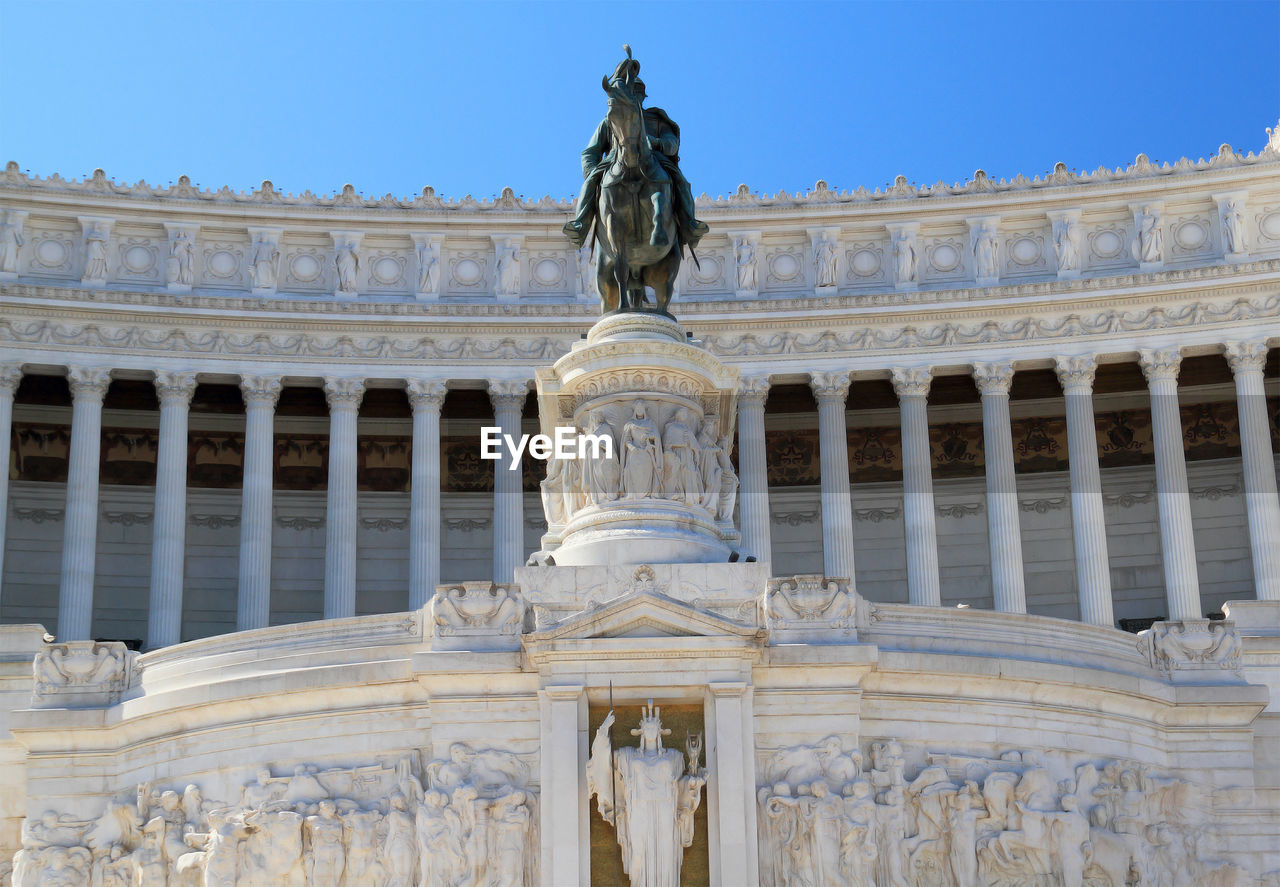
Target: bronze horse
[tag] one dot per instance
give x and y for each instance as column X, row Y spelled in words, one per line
column 635, row 197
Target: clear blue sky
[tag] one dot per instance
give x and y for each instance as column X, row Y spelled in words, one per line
column 470, row 97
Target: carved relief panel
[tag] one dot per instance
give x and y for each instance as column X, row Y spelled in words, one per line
column 468, row 268
column 222, row 262
column 1106, row 244
column 51, row 249
column 1026, row 252
column 943, row 258
column 865, row 263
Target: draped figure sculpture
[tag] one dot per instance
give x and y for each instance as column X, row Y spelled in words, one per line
column 600, row 472
column 680, row 479
column 657, row 792
column 641, row 455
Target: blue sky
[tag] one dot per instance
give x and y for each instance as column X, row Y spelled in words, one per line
column 470, row 97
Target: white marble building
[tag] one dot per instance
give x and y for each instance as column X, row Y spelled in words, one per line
column 983, row 433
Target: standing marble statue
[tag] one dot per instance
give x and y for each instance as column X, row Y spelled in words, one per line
column 600, row 472
column 986, row 253
column 744, row 251
column 428, row 267
column 10, row 245
column 262, row 265
column 904, row 256
column 180, row 268
column 641, row 455
column 1148, row 245
column 1233, row 235
column 1066, row 243
column 659, row 793
column 681, row 480
column 95, row 265
column 507, row 277
column 348, row 265
column 825, row 250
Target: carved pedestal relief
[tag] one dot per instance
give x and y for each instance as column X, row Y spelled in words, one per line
column 961, row 820
column 466, row 821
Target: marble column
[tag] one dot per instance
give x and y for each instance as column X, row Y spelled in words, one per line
column 1177, row 541
column 731, row 786
column 1088, row 524
column 80, row 528
column 1004, row 527
column 753, row 468
column 508, row 397
column 340, row 521
column 253, row 602
column 1262, row 501
column 169, row 525
column 566, row 836
column 830, row 390
column 426, row 397
column 10, row 376
column 924, row 586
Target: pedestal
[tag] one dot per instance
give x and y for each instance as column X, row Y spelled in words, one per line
column 653, row 483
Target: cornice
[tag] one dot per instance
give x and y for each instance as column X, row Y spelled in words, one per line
column 980, row 186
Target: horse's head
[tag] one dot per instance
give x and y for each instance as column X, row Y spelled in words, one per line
column 626, row 122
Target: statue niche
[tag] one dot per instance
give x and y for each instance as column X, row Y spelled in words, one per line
column 649, row 795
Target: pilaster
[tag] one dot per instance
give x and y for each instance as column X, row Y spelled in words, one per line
column 566, row 835
column 731, row 786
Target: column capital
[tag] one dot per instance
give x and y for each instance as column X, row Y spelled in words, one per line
column 993, row 378
column 564, row 692
column 175, row 386
column 754, row 389
column 1076, row 373
column 426, row 393
column 911, row 381
column 727, row 688
column 1246, row 357
column 10, row 376
column 261, row 390
column 1160, row 365
column 88, row 382
column 831, row 386
column 343, row 392
column 508, row 393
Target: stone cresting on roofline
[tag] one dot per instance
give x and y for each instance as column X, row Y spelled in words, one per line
column 980, row 184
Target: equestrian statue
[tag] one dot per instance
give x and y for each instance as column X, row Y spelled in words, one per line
column 636, row 198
